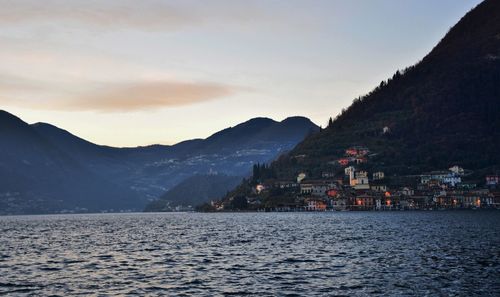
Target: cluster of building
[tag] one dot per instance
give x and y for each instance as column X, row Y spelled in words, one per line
column 357, row 155
column 361, row 190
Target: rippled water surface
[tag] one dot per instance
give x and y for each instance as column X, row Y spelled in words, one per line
column 312, row 254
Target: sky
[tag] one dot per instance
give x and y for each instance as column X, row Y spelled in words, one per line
column 130, row 73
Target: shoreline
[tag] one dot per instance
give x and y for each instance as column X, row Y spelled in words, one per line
column 347, row 210
column 254, row 211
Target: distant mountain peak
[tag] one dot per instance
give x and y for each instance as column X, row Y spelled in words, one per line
column 11, row 124
column 259, row 119
column 8, row 118
column 300, row 121
column 257, row 123
column 47, row 125
column 296, row 118
column 52, row 169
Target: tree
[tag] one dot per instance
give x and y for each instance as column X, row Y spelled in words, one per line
column 330, row 122
column 239, row 202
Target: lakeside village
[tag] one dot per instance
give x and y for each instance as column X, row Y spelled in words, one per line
column 361, row 190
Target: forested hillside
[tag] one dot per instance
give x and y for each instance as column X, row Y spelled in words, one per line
column 444, row 110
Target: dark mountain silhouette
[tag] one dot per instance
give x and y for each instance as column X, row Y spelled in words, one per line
column 46, row 169
column 445, row 110
column 257, row 132
column 195, row 191
column 38, row 177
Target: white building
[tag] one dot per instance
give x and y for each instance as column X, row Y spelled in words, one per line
column 320, row 190
column 457, row 170
column 349, row 171
column 492, row 180
column 301, row 177
column 378, row 175
column 452, row 179
column 443, row 177
column 306, row 188
column 379, row 188
column 316, row 188
column 434, row 175
column 361, row 181
column 315, row 205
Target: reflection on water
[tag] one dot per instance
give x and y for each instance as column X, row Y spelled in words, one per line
column 365, row 253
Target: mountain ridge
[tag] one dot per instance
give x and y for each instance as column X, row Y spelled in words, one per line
column 47, row 169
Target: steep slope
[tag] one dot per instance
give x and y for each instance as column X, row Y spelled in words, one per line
column 42, row 164
column 194, row 191
column 258, row 132
column 115, row 164
column 154, row 169
column 445, row 110
column 237, row 136
column 37, row 177
column 87, row 151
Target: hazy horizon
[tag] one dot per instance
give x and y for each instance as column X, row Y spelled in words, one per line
column 161, row 72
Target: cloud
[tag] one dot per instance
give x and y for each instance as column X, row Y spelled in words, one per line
column 45, row 80
column 9, row 83
column 107, row 97
column 144, row 95
column 160, row 15
column 113, row 14
column 155, row 15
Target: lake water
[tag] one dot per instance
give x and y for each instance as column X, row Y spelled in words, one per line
column 285, row 254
